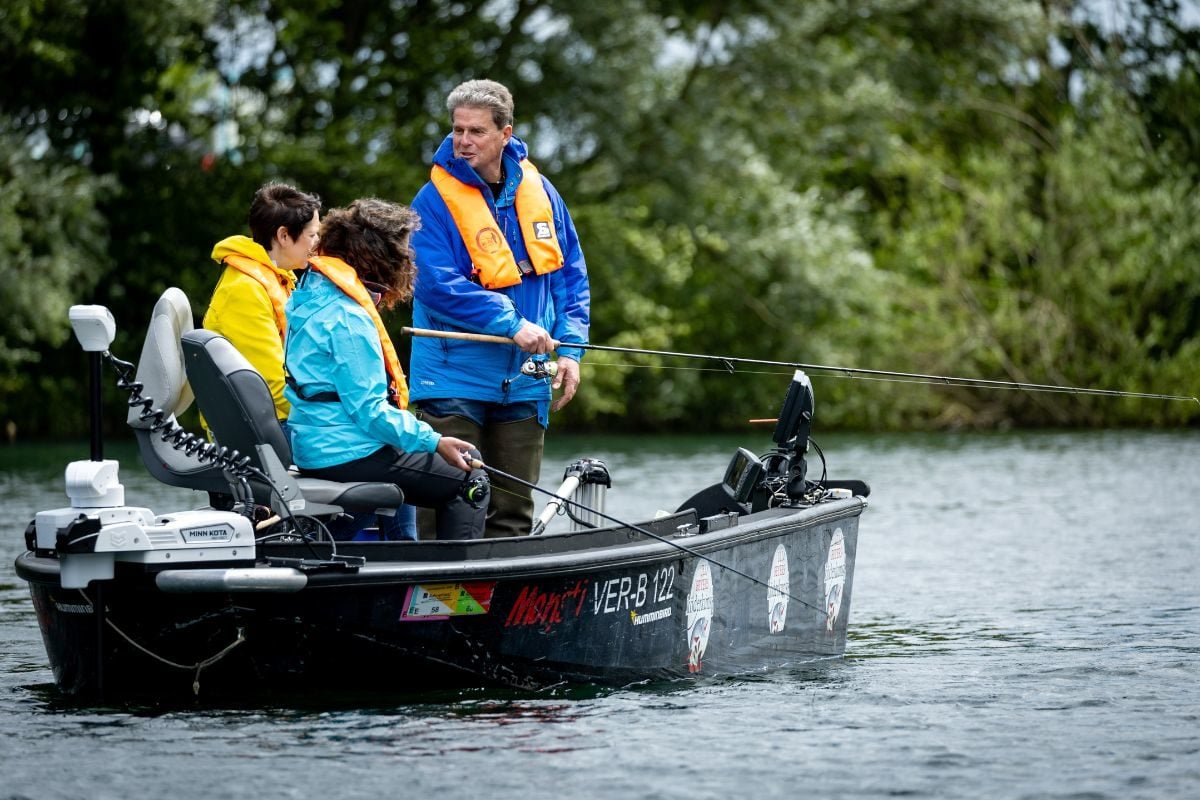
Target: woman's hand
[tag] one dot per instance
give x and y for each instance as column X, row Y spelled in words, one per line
column 455, row 452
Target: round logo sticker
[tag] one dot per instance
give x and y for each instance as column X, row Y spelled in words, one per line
column 778, row 589
column 489, row 240
column 699, row 611
column 835, row 577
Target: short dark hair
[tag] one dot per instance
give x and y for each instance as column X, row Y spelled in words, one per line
column 277, row 204
column 373, row 236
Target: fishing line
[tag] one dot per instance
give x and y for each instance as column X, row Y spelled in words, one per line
column 730, row 363
column 476, row 464
column 939, row 382
column 885, row 375
column 616, row 365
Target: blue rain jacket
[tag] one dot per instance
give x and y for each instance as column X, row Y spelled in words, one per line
column 332, row 346
column 445, row 297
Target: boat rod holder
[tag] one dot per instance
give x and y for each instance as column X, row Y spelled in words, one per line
column 583, row 490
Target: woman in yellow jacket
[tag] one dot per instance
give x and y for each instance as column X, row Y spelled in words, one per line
column 247, row 307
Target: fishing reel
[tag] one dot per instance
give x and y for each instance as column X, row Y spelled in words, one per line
column 476, row 490
column 539, row 368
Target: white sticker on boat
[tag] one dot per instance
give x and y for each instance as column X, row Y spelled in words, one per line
column 835, row 577
column 207, row 533
column 778, row 590
column 73, row 608
column 638, row 594
column 649, row 616
column 699, row 615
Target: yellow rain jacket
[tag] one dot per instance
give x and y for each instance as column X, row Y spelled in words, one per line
column 247, row 309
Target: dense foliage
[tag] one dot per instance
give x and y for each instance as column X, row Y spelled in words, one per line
column 999, row 190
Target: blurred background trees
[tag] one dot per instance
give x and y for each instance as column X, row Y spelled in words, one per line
column 1000, row 190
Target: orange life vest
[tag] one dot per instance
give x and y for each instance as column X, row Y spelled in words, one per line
column 346, row 279
column 277, row 287
column 491, row 257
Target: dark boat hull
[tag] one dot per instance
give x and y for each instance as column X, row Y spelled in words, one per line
column 609, row 607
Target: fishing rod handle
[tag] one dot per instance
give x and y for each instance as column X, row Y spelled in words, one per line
column 459, row 335
column 463, row 336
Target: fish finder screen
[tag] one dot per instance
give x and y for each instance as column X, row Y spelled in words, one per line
column 742, row 475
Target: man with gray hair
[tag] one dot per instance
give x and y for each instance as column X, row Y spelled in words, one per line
column 497, row 253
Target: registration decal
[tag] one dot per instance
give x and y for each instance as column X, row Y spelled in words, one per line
column 433, row 601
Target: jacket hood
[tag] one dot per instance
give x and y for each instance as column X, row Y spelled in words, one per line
column 459, row 168
column 242, row 246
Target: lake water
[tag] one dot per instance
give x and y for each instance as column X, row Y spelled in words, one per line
column 1025, row 622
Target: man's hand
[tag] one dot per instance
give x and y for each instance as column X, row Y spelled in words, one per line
column 567, row 379
column 454, row 450
column 533, row 339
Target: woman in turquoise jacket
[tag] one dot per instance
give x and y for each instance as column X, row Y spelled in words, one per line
column 349, row 420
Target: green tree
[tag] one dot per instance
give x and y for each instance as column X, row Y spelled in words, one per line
column 1060, row 249
column 52, row 250
column 998, row 190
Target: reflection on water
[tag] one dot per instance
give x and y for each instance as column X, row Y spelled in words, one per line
column 1025, row 622
column 892, row 638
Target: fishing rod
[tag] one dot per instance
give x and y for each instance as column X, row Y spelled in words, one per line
column 477, row 464
column 731, row 361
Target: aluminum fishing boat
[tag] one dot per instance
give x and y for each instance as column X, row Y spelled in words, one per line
column 753, row 572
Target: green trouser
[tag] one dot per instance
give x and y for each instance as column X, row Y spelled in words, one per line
column 511, row 447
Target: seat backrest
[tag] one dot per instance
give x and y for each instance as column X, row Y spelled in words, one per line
column 232, row 396
column 160, row 368
column 161, row 372
column 236, row 403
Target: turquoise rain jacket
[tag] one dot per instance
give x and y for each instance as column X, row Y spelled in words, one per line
column 445, row 298
column 332, row 346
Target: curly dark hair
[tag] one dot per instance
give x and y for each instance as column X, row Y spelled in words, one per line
column 372, row 236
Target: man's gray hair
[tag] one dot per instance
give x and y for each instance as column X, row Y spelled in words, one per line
column 483, row 94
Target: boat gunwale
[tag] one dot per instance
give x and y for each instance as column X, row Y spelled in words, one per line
column 769, row 524
column 574, row 562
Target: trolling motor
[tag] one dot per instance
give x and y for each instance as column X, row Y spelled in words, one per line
column 585, row 485
column 98, row 529
column 787, row 463
column 779, row 477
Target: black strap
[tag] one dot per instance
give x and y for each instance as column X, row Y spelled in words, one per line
column 319, row 397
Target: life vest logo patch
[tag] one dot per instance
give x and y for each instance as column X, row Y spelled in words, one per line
column 489, row 240
column 542, row 230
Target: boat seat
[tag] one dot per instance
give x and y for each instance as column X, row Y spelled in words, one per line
column 238, row 408
column 161, row 372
